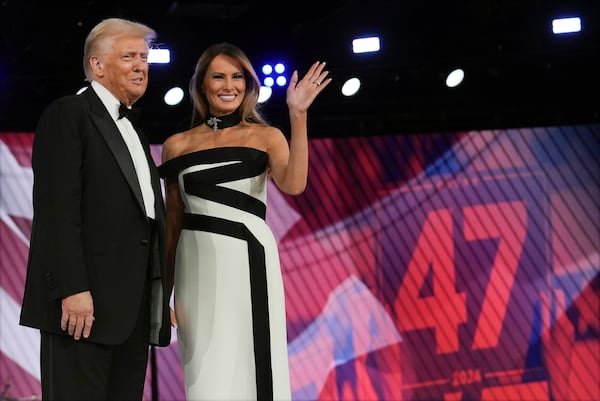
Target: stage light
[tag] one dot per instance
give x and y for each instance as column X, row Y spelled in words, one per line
column 174, row 96
column 274, row 74
column 264, row 94
column 566, row 25
column 281, row 80
column 454, row 78
column 350, row 87
column 366, row 45
column 279, row 68
column 268, row 81
column 159, row 56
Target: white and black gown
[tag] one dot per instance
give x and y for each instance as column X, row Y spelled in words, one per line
column 228, row 291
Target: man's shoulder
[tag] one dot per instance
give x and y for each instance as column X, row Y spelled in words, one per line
column 70, row 104
column 66, row 110
column 67, row 101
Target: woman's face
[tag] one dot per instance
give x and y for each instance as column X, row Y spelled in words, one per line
column 224, row 85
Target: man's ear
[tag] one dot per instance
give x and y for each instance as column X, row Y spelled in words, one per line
column 97, row 66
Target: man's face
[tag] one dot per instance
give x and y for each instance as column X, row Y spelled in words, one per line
column 123, row 69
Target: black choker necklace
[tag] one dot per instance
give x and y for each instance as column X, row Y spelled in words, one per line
column 223, row 121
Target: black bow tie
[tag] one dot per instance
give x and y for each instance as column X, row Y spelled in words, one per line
column 133, row 114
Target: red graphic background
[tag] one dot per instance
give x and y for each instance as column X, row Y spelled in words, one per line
column 449, row 266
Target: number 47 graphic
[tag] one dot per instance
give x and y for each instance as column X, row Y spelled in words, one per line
column 445, row 309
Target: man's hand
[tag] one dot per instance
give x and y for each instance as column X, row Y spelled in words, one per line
column 78, row 314
column 173, row 318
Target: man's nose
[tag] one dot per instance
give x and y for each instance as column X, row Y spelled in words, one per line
column 139, row 62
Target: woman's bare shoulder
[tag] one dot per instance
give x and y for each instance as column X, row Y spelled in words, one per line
column 267, row 131
column 174, row 145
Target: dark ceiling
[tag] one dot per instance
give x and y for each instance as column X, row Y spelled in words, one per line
column 517, row 73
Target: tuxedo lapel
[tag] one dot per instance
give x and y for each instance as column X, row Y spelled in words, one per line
column 108, row 129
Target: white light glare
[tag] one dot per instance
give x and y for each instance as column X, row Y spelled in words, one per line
column 173, row 96
column 351, row 86
column 566, row 25
column 455, row 78
column 279, row 68
column 159, row 56
column 264, row 94
column 267, row 69
column 269, row 81
column 366, row 45
column 281, row 80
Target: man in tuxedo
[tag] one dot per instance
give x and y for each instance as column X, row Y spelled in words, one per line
column 96, row 284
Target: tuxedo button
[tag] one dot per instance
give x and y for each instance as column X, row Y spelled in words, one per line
column 144, row 242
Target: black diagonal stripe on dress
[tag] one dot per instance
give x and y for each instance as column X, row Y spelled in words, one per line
column 229, row 197
column 203, row 184
column 236, row 170
column 258, row 292
column 209, row 156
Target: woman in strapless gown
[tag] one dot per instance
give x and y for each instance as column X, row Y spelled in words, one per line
column 229, row 305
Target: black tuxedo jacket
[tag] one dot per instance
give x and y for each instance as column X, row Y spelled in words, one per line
column 90, row 230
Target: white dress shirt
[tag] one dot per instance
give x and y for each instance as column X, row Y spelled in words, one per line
column 133, row 143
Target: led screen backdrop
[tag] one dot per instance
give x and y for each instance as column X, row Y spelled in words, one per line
column 440, row 266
